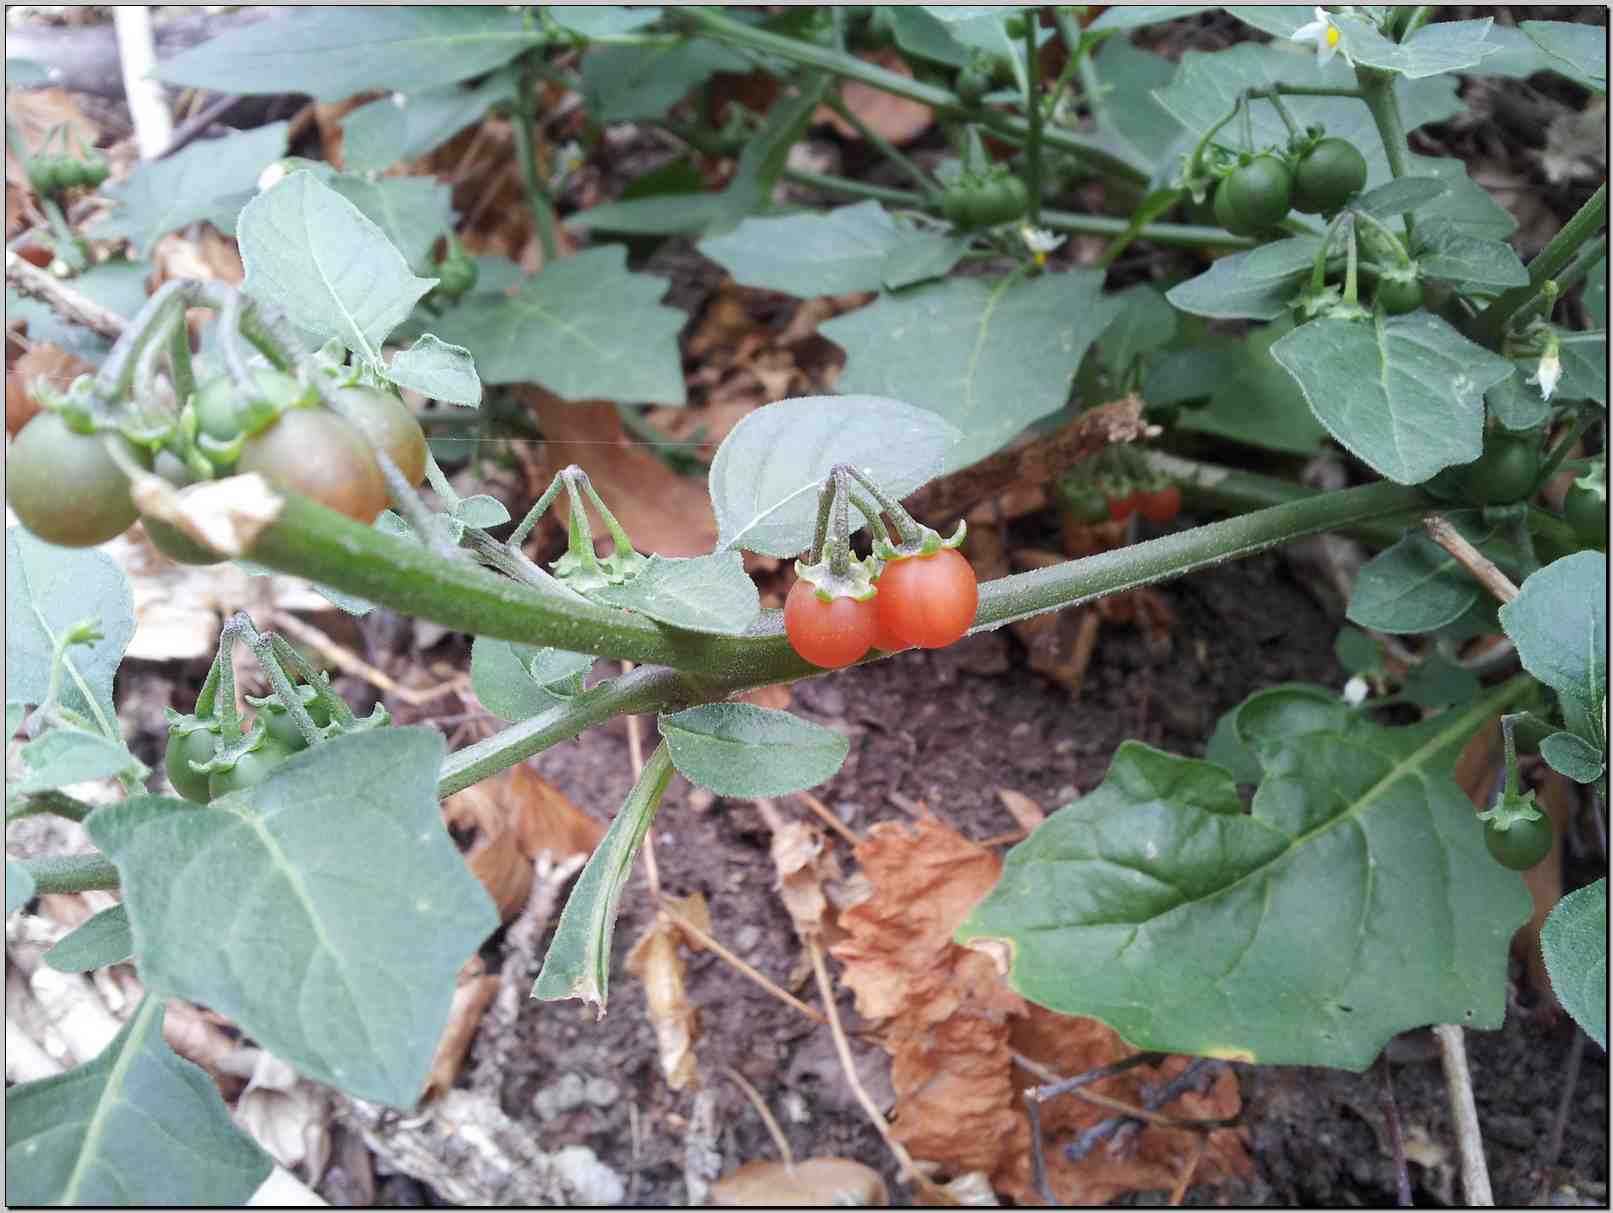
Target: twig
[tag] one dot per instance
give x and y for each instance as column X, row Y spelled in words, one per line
column 195, row 127
column 1179, row 1192
column 1397, row 1144
column 1470, row 558
column 828, row 817
column 756, row 1101
column 137, row 55
column 1132, row 1112
column 1465, row 1114
column 31, row 280
column 1033, row 1114
column 710, row 942
column 1559, row 1121
column 635, row 752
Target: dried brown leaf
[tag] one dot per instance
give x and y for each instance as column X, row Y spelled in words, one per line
column 893, row 118
column 803, row 864
column 1025, row 811
column 820, row 1182
column 655, row 961
column 471, row 998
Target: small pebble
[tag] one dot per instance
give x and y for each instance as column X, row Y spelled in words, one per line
column 747, row 937
column 601, row 1092
column 561, row 1096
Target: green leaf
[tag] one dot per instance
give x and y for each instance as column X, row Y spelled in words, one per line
column 1584, row 51
column 1467, row 263
column 481, row 510
column 921, row 257
column 743, row 751
column 436, row 369
column 19, row 886
column 1574, row 942
column 1415, row 586
column 313, row 254
column 1404, row 394
column 1558, row 622
column 918, row 32
column 829, row 253
column 1355, row 902
column 766, row 475
column 1256, row 285
column 1438, row 682
column 990, row 355
column 1278, row 20
column 1253, row 400
column 49, row 590
column 1357, row 652
column 1584, row 359
column 1144, row 322
column 66, row 755
column 137, row 1125
column 25, row 73
column 517, row 681
column 690, row 215
column 326, row 909
column 711, row 594
column 578, row 962
column 333, row 53
column 405, row 126
column 585, row 328
column 1130, row 112
column 1465, row 203
column 1515, row 402
column 1401, row 195
column 1443, row 46
column 162, row 196
column 1594, row 297
column 627, row 83
column 413, row 212
column 103, row 940
column 602, row 20
column 117, row 284
column 1573, row 756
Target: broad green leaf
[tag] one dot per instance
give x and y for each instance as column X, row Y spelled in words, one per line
column 1443, row 46
column 1415, row 586
column 66, row 755
column 1206, row 85
column 137, row 1125
column 1465, row 203
column 413, row 212
column 1515, row 402
column 1133, row 16
column 1584, row 359
column 313, row 254
column 920, row 257
column 103, row 940
column 1574, row 942
column 578, row 961
column 1193, row 372
column 1270, row 720
column 828, row 253
column 1144, row 322
column 710, row 594
column 19, row 886
column 585, row 328
column 1558, row 622
column 1256, row 285
column 1404, row 394
column 1573, row 756
column 1355, row 901
column 1401, row 195
column 1127, row 108
column 1584, row 49
column 1278, row 20
column 1594, row 296
column 49, row 590
column 481, row 510
column 989, row 355
column 1437, row 682
column 1467, row 263
column 662, row 215
column 117, row 284
column 1357, row 652
column 740, row 750
column 162, row 196
column 326, row 909
column 333, row 53
column 918, row 32
column 1256, row 402
column 436, row 369
column 517, row 681
column 1513, row 53
column 626, row 83
column 596, row 21
column 405, row 126
column 766, row 475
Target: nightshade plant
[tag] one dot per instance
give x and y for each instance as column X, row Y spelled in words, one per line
column 1353, row 899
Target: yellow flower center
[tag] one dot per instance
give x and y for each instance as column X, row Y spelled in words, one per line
column 1332, row 36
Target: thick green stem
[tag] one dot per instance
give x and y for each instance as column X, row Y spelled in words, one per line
column 30, row 804
column 944, row 101
column 1378, row 91
column 1587, row 223
column 1033, row 107
column 71, row 873
column 537, row 193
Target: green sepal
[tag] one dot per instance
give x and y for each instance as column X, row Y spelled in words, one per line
column 857, row 583
column 1510, row 810
column 928, row 544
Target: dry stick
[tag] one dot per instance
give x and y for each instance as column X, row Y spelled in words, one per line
column 1179, row 1192
column 635, row 751
column 1033, row 1113
column 1132, row 1112
column 350, row 663
column 829, row 818
column 1470, row 558
column 707, row 940
column 1559, row 1121
column 847, row 1064
column 1397, row 1144
column 1459, row 1085
column 757, row 1102
column 31, row 280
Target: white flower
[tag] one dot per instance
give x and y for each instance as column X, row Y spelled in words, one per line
column 1355, row 690
column 1040, row 241
column 1324, row 33
column 1547, row 372
column 568, row 160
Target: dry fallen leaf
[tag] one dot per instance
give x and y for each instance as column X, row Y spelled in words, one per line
column 287, row 1115
column 545, row 817
column 893, row 118
column 471, row 996
column 1025, row 811
column 803, row 865
column 655, row 961
column 820, row 1182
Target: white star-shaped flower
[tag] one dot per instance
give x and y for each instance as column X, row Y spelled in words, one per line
column 1039, row 241
column 1324, row 33
column 1547, row 372
column 1355, row 691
